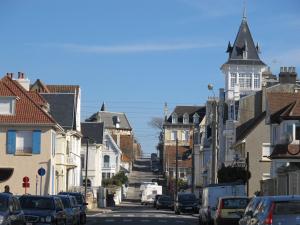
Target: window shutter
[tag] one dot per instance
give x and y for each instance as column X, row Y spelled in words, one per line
column 11, row 142
column 36, row 142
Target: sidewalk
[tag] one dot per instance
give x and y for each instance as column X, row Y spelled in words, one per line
column 91, row 212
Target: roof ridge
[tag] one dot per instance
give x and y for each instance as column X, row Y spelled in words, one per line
column 24, row 91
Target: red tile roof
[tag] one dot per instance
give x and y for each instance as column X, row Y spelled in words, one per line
column 27, row 110
column 286, row 151
column 171, row 157
column 277, row 101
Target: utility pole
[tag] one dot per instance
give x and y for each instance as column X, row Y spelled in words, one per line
column 86, row 166
column 247, row 164
column 176, row 175
column 193, row 161
column 214, row 142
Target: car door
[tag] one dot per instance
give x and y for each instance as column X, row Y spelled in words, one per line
column 20, row 220
column 60, row 213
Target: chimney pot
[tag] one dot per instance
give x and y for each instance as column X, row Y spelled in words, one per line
column 19, row 75
column 10, row 75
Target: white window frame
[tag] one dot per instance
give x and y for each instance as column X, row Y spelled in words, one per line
column 233, row 79
column 12, row 105
column 266, row 151
column 245, row 80
column 186, row 118
column 174, row 118
column 24, row 141
column 174, row 135
column 256, row 81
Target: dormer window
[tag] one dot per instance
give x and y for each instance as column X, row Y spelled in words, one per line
column 7, row 105
column 186, row 118
column 117, row 121
column 174, row 118
column 196, row 118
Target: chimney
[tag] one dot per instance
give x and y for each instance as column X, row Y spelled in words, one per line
column 23, row 81
column 287, row 75
column 11, row 75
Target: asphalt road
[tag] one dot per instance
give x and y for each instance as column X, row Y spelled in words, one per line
column 134, row 213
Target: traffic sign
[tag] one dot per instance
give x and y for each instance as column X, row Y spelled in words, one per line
column 41, row 171
column 25, row 179
column 26, row 185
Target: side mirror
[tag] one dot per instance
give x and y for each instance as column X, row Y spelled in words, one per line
column 85, row 203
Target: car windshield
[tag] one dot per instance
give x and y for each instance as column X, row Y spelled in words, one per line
column 66, row 202
column 165, row 198
column 3, row 204
column 287, row 208
column 79, row 199
column 39, row 203
column 186, row 197
column 235, row 203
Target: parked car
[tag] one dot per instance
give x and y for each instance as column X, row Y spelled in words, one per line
column 43, row 210
column 278, row 210
column 249, row 211
column 230, row 209
column 10, row 210
column 155, row 200
column 72, row 209
column 81, row 202
column 186, row 202
column 165, row 202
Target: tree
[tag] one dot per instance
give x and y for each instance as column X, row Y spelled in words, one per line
column 233, row 174
column 158, row 124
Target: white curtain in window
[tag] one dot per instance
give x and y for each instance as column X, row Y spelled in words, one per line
column 24, row 141
column 5, row 106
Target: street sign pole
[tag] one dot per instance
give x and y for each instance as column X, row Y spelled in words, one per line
column 41, row 185
column 41, row 172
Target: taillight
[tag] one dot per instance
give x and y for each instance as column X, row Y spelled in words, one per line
column 221, row 206
column 269, row 219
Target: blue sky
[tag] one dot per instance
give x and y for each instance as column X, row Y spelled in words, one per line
column 137, row 54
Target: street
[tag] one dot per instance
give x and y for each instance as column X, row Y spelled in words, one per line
column 134, row 213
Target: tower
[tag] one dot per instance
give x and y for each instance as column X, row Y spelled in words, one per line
column 243, row 76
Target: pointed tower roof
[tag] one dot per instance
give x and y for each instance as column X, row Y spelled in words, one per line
column 103, row 107
column 243, row 51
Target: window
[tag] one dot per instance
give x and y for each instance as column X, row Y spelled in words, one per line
column 196, row 118
column 256, row 81
column 185, row 135
column 186, row 118
column 245, row 80
column 24, row 141
column 7, row 106
column 174, row 135
column 297, row 132
column 106, row 161
column 233, row 79
column 82, row 161
column 174, row 118
column 266, row 151
column 103, row 176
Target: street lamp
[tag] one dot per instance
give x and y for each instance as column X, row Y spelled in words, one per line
column 214, row 136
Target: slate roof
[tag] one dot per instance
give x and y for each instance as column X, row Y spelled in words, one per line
column 62, row 108
column 110, row 118
column 190, row 110
column 93, row 131
column 28, row 109
column 286, row 151
column 63, row 88
column 245, row 129
column 243, row 41
column 283, row 106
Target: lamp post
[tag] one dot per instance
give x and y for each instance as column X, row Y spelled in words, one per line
column 214, row 137
column 176, row 172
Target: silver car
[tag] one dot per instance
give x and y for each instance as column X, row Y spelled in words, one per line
column 278, row 210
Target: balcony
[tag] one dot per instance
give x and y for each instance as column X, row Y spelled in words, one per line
column 71, row 163
column 108, row 166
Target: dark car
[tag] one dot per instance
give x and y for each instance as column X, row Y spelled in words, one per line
column 283, row 210
column 249, row 211
column 164, row 202
column 230, row 209
column 155, row 200
column 186, row 202
column 72, row 209
column 10, row 210
column 81, row 202
column 43, row 210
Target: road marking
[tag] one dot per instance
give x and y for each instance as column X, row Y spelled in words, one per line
column 130, row 215
column 117, row 215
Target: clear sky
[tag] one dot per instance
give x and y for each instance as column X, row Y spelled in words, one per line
column 137, row 54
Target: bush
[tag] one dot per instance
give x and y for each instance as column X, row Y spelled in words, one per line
column 117, row 180
column 233, row 174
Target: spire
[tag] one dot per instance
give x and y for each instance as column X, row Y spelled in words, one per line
column 244, row 12
column 103, row 107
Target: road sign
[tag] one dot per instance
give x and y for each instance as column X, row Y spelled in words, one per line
column 26, row 183
column 41, row 171
column 25, row 179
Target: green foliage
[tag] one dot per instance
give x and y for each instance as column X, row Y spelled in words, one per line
column 117, row 180
column 233, row 174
